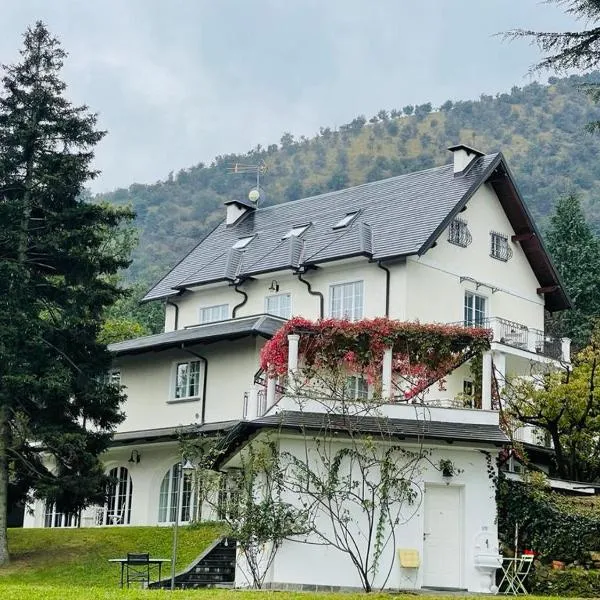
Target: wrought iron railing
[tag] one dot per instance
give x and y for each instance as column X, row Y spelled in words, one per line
column 520, row 336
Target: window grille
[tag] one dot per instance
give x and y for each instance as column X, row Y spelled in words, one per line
column 459, row 234
column 499, row 247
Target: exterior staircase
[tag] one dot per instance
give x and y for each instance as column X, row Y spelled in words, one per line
column 215, row 567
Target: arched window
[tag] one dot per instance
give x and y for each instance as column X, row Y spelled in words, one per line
column 169, row 488
column 117, row 510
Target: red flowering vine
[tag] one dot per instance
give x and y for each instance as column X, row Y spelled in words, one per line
column 421, row 353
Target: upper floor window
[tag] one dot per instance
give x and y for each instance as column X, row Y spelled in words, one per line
column 187, row 379
column 475, row 310
column 296, row 231
column 210, row 314
column 357, row 388
column 346, row 301
column 344, row 222
column 279, row 305
column 499, row 247
column 242, row 243
column 458, row 233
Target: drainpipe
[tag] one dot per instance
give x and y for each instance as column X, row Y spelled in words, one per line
column 318, row 294
column 244, row 294
column 203, row 359
column 169, row 303
column 387, row 288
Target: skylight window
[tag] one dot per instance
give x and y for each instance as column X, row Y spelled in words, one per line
column 242, row 243
column 296, row 231
column 346, row 220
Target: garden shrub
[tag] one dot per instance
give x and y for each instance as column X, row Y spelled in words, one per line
column 548, row 523
column 574, row 582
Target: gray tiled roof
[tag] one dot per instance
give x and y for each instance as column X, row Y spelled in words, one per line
column 398, row 428
column 265, row 325
column 326, row 424
column 170, row 433
column 398, row 216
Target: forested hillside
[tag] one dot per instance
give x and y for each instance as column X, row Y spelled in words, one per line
column 540, row 128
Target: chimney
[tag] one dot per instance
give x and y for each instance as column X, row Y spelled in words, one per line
column 464, row 156
column 236, row 209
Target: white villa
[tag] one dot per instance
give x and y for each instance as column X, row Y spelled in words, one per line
column 454, row 244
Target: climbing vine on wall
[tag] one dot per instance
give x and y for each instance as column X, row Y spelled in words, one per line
column 421, row 353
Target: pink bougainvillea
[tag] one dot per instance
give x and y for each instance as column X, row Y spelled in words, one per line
column 421, row 353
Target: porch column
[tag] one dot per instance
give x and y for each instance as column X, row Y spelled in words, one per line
column 499, row 368
column 565, row 349
column 386, row 376
column 486, row 381
column 270, row 392
column 293, row 342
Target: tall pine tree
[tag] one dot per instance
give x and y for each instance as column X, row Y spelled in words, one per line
column 56, row 278
column 576, row 253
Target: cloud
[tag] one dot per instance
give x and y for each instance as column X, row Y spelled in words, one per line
column 178, row 82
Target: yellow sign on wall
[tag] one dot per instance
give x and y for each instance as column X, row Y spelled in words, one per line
column 409, row 558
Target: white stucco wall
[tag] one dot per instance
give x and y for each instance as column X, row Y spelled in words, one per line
column 302, row 302
column 435, row 293
column 300, row 564
column 149, row 379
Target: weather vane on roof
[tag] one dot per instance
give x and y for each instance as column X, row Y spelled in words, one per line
column 243, row 168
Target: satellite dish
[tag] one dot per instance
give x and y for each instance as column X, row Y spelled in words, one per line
column 254, row 195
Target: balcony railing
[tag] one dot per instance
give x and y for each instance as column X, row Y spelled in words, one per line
column 520, row 336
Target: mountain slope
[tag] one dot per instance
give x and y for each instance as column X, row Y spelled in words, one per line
column 539, row 128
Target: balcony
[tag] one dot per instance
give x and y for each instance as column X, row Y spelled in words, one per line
column 526, row 338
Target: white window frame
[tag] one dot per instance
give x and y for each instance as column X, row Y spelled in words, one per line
column 296, row 231
column 473, row 321
column 357, row 388
column 349, row 313
column 241, row 243
column 174, row 385
column 204, row 310
column 277, row 313
column 347, row 220
column 167, row 496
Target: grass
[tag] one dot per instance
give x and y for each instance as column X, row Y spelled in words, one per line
column 78, row 558
column 71, row 564
column 50, row 593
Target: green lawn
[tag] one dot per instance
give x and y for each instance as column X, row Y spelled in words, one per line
column 79, row 557
column 71, row 564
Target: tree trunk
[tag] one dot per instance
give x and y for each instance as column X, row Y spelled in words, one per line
column 4, row 557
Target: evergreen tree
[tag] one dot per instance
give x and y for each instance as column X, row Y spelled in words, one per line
column 57, row 267
column 570, row 49
column 576, row 253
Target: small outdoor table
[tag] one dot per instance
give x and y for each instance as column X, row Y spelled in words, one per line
column 153, row 562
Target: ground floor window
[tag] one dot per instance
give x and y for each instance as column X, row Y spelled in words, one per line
column 55, row 518
column 169, row 491
column 117, row 510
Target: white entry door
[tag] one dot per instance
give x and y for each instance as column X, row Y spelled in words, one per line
column 442, row 546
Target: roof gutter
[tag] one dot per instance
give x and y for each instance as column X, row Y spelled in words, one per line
column 387, row 288
column 312, row 293
column 245, row 299
column 203, row 359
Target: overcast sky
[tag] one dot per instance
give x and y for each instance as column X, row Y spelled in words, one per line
column 176, row 82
